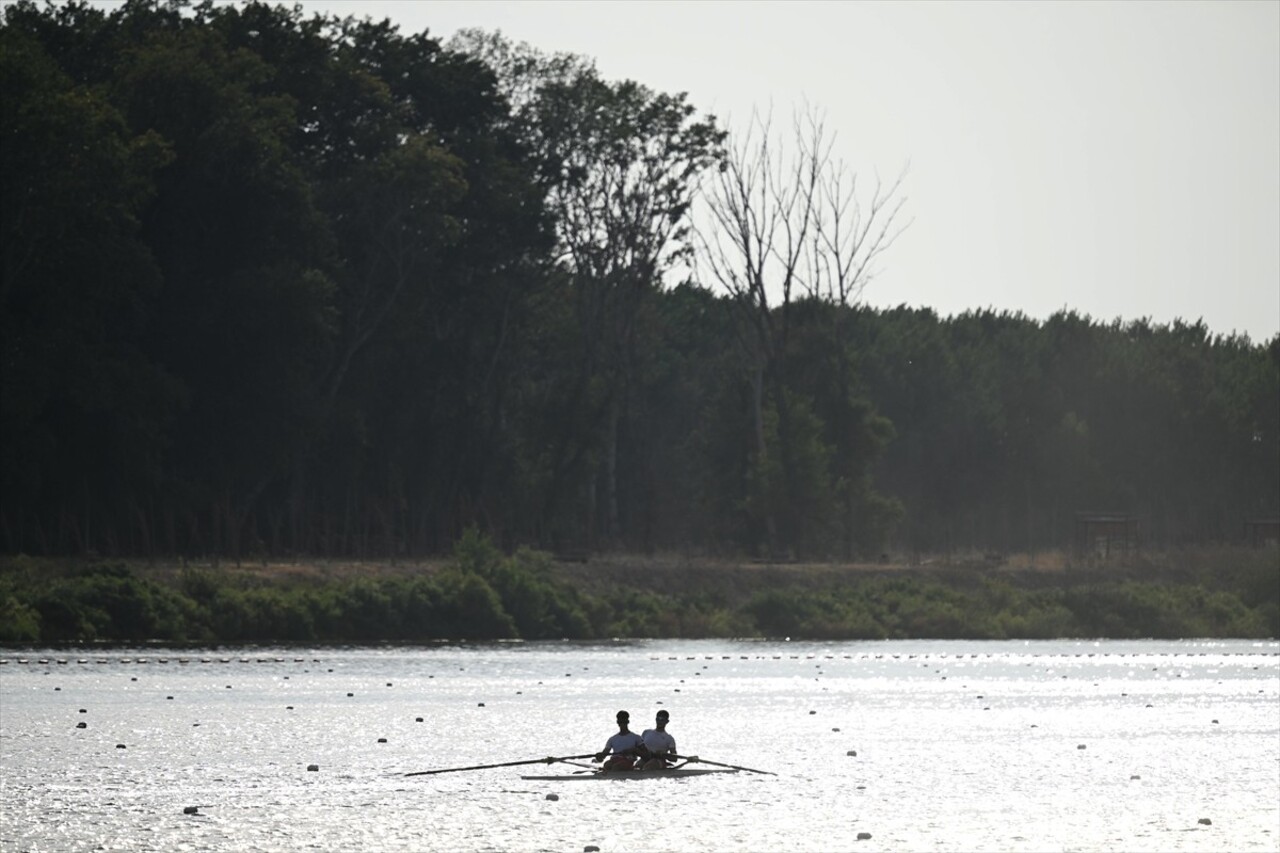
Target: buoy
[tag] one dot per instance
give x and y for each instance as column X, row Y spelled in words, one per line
column 82, row 725
column 1134, row 776
column 382, row 740
column 835, row 730
column 553, row 797
column 852, row 752
column 313, row 767
column 1080, row 746
column 84, row 711
column 417, row 719
column 864, row 836
column 120, row 746
column 591, row 848
column 191, row 810
column 1204, row 821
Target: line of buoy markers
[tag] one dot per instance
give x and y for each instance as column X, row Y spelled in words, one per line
column 4, row 661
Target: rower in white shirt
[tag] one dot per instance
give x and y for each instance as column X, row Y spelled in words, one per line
column 659, row 742
column 622, row 749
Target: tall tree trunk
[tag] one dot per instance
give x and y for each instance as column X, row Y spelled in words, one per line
column 762, row 453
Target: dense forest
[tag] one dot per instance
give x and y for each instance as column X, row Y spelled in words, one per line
column 279, row 285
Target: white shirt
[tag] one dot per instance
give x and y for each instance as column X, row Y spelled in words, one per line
column 622, row 742
column 659, row 742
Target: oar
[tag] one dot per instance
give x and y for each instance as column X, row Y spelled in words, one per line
column 692, row 758
column 548, row 760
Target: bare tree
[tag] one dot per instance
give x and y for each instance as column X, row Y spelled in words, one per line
column 780, row 225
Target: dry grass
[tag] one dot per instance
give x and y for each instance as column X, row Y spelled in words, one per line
column 682, row 574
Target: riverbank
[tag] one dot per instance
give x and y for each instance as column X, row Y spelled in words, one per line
column 479, row 593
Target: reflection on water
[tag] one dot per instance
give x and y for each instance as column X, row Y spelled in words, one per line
column 921, row 745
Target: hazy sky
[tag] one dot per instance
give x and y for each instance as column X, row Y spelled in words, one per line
column 1119, row 159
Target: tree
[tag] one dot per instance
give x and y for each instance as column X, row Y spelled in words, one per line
column 83, row 404
column 781, row 225
column 620, row 164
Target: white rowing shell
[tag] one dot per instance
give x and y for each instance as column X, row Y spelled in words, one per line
column 629, row 775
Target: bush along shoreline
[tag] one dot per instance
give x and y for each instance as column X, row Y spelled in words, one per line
column 482, row 594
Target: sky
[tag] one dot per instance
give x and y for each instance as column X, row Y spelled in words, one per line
column 1117, row 159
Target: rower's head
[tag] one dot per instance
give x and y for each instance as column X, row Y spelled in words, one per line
column 623, row 718
column 663, row 716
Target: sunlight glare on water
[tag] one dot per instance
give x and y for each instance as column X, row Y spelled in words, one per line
column 922, row 745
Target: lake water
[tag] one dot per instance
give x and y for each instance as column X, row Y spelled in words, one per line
column 921, row 745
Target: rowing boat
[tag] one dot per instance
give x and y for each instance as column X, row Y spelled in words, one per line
column 667, row 773
column 676, row 772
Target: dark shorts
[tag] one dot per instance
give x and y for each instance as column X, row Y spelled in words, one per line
column 619, row 762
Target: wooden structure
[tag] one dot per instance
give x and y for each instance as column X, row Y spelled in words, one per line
column 1102, row 534
column 1262, row 531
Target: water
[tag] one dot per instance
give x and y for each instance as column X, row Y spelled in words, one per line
column 959, row 746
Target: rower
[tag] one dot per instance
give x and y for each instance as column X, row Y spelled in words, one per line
column 659, row 742
column 625, row 747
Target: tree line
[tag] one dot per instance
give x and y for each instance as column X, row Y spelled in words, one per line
column 280, row 285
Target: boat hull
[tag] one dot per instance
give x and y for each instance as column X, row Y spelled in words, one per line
column 628, row 775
